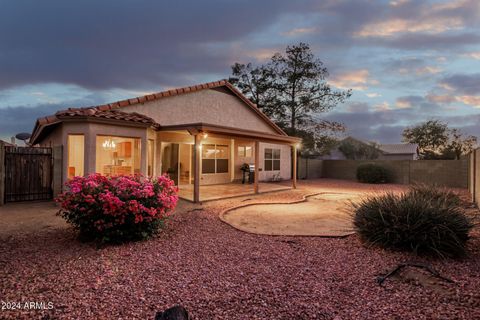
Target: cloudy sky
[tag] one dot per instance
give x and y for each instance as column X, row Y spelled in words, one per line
column 406, row 61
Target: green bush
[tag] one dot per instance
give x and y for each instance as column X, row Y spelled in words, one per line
column 424, row 220
column 372, row 173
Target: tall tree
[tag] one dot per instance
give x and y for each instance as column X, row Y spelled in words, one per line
column 437, row 141
column 460, row 144
column 300, row 82
column 292, row 89
column 431, row 137
column 256, row 83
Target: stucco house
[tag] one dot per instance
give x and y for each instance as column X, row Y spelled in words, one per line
column 200, row 135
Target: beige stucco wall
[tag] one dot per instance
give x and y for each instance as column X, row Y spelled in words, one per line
column 206, row 106
column 234, row 160
column 285, row 162
column 239, row 161
column 90, row 131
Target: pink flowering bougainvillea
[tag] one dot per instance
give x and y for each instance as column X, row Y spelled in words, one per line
column 117, row 209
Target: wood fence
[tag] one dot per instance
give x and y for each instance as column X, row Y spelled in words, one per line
column 27, row 174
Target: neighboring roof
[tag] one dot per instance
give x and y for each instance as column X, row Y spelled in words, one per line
column 393, row 148
column 110, row 112
column 399, row 148
column 8, row 144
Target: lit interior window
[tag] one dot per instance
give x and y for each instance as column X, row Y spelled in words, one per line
column 117, row 156
column 76, row 155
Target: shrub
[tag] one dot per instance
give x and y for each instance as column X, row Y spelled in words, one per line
column 425, row 220
column 117, row 209
column 372, row 173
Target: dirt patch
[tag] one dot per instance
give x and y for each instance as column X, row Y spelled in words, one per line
column 322, row 214
column 28, row 217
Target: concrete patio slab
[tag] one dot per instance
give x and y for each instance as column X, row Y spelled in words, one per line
column 223, row 191
column 321, row 214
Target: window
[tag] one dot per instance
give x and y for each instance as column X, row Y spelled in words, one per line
column 244, row 151
column 76, row 155
column 214, row 158
column 272, row 159
column 117, row 156
column 151, row 155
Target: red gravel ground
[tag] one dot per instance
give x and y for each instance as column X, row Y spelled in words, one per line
column 217, row 272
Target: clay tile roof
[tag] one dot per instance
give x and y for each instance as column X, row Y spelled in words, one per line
column 105, row 114
column 109, row 111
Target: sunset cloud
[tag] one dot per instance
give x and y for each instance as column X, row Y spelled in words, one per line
column 356, row 80
column 406, row 60
column 474, row 55
column 473, row 101
column 395, row 26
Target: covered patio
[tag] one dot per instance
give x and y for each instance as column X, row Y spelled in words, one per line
column 229, row 190
column 199, row 181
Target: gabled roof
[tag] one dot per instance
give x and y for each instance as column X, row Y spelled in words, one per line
column 184, row 90
column 110, row 111
column 399, row 148
column 8, row 144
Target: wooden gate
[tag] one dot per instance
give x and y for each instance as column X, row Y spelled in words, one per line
column 28, row 174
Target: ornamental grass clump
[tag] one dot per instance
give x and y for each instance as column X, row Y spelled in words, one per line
column 424, row 220
column 117, row 209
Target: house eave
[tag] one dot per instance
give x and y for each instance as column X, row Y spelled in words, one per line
column 194, row 128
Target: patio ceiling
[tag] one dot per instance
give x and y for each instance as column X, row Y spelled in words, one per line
column 195, row 128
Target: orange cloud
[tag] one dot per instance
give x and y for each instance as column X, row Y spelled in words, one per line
column 392, row 27
column 432, row 19
column 356, row 79
column 470, row 100
column 473, row 101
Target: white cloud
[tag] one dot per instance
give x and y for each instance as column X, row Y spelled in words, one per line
column 384, row 106
column 428, row 70
column 473, row 55
column 298, row 31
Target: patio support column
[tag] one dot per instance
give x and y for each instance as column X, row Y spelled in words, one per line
column 257, row 164
column 294, row 176
column 196, row 169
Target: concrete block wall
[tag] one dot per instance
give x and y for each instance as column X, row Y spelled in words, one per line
column 309, row 168
column 474, row 176
column 2, row 173
column 449, row 173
